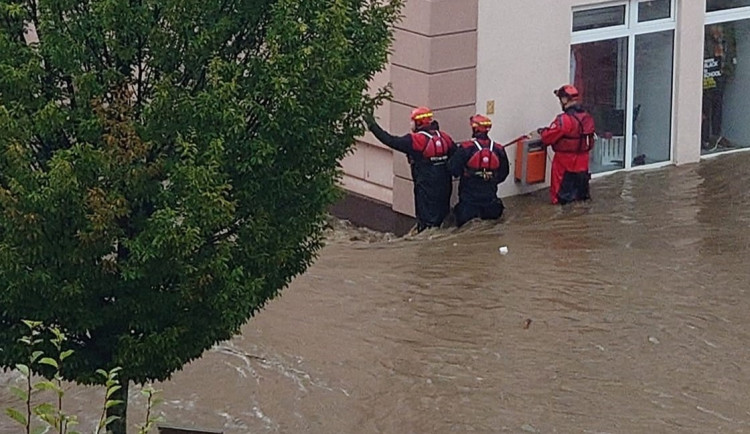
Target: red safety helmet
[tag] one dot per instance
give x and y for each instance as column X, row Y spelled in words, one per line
column 480, row 123
column 567, row 91
column 421, row 116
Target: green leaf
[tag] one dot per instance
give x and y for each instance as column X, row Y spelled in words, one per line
column 32, row 324
column 48, row 417
column 59, row 336
column 23, row 369
column 46, row 385
column 112, row 390
column 113, row 402
column 49, row 361
column 16, row 415
column 109, row 420
column 35, row 356
column 21, row 394
column 65, row 354
column 44, row 409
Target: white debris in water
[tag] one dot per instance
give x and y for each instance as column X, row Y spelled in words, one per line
column 260, row 415
column 714, row 413
column 528, row 428
column 503, row 250
column 653, row 340
column 233, row 421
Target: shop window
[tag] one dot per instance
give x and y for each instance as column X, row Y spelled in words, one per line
column 720, row 5
column 625, row 75
column 600, row 74
column 652, row 97
column 654, row 10
column 590, row 19
column 726, row 86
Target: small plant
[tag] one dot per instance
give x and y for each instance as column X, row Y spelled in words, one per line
column 51, row 415
column 152, row 400
column 24, row 395
column 113, row 385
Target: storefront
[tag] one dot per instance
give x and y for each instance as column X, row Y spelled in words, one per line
column 726, row 76
column 666, row 80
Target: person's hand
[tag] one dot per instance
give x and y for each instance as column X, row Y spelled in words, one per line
column 534, row 135
column 368, row 118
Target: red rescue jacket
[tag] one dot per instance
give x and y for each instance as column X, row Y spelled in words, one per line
column 483, row 159
column 572, row 131
column 433, row 145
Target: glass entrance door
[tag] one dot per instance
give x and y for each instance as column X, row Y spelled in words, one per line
column 652, row 98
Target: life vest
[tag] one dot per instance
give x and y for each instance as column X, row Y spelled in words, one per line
column 433, row 147
column 581, row 137
column 483, row 162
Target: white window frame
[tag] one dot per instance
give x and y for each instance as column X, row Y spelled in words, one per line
column 727, row 15
column 631, row 30
column 669, row 19
column 604, row 32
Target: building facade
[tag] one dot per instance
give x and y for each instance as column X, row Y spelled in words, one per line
column 666, row 81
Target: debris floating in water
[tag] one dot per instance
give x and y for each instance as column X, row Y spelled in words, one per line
column 503, row 250
column 527, row 323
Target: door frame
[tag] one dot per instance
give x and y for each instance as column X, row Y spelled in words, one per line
column 631, row 29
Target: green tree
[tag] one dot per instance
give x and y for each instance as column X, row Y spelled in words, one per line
column 165, row 165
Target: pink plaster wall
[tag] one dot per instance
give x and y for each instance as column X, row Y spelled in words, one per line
column 433, row 64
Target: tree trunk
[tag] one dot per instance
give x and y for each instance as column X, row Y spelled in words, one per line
column 119, row 426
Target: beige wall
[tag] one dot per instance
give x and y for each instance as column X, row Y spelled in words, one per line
column 688, row 81
column 433, row 64
column 457, row 55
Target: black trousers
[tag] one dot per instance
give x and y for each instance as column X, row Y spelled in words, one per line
column 575, row 186
column 432, row 202
column 465, row 211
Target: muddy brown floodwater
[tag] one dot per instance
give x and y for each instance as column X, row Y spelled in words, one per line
column 628, row 314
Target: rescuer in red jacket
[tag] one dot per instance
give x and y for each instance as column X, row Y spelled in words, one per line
column 481, row 164
column 428, row 150
column 571, row 136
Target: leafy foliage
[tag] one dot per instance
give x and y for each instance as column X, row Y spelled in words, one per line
column 165, row 165
column 52, row 417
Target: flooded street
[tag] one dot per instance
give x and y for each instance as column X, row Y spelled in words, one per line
column 628, row 314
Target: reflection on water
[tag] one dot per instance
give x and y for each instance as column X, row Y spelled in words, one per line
column 638, row 323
